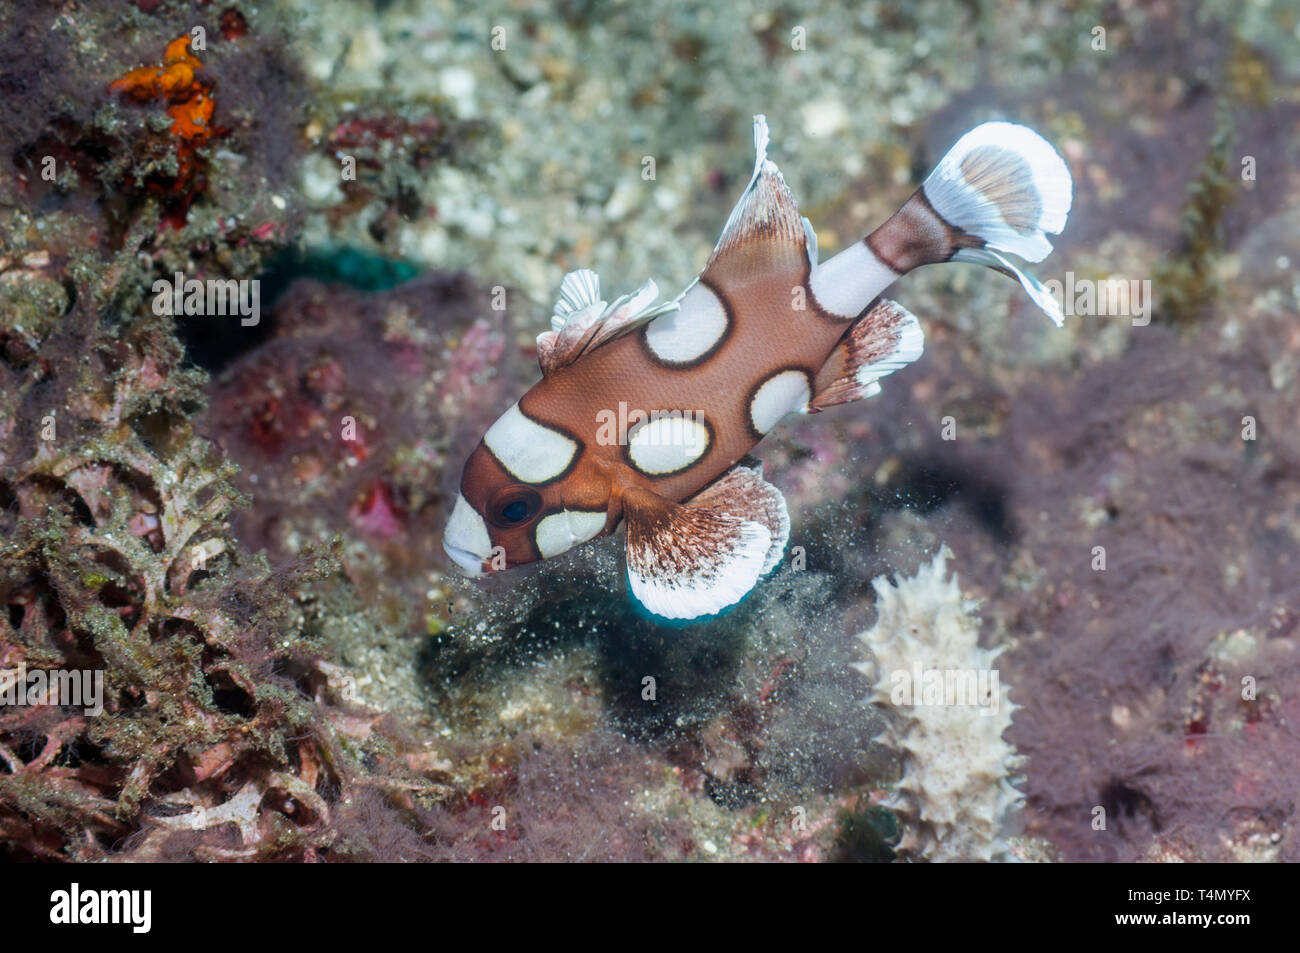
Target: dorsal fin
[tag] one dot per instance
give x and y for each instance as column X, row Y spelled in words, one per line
column 583, row 322
column 766, row 212
column 579, row 290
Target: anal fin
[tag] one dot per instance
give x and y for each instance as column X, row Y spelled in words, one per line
column 884, row 339
column 696, row 559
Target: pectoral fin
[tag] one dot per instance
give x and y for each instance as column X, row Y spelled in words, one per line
column 696, row 559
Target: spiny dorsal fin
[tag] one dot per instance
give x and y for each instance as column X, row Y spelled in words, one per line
column 766, row 212
column 579, row 290
column 583, row 322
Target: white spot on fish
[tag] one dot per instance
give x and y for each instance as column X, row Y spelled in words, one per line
column 531, row 452
column 690, row 333
column 667, row 443
column 466, row 538
column 780, row 395
column 847, row 283
column 564, row 530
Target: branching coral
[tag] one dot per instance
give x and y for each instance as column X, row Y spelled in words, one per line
column 956, row 795
column 222, row 735
column 225, row 731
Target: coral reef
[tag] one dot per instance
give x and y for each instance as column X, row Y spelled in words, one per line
column 343, row 421
column 223, row 734
column 945, row 718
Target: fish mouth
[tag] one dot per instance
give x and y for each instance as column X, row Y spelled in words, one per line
column 471, row 563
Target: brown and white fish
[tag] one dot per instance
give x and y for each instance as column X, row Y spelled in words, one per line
column 644, row 414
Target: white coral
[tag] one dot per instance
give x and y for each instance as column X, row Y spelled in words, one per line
column 956, row 794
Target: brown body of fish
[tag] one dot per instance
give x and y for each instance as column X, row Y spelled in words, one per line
column 768, row 329
column 775, row 335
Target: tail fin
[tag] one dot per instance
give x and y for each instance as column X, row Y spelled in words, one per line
column 1001, row 188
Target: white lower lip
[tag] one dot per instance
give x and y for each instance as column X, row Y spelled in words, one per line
column 466, row 560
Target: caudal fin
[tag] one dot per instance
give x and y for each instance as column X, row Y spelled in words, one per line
column 1001, row 190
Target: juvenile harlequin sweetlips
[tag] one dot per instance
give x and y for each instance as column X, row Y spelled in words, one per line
column 645, row 414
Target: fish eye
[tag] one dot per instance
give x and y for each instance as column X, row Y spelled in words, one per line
column 514, row 506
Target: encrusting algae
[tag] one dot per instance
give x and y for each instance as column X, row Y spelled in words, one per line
column 188, row 94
